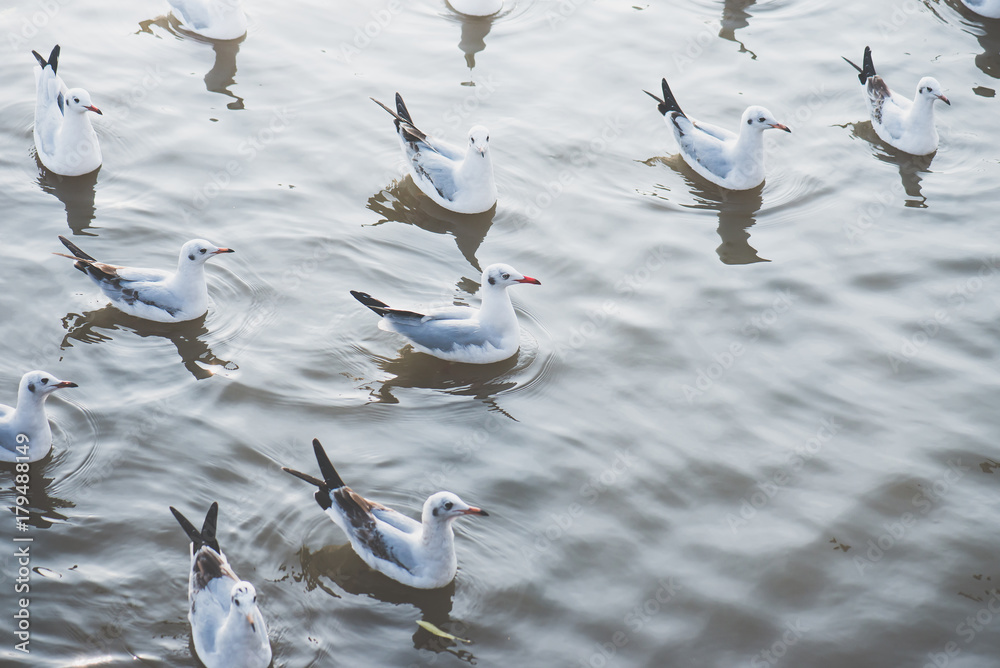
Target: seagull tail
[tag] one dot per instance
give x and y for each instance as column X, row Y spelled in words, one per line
column 189, row 528
column 401, row 109
column 210, row 526
column 369, row 301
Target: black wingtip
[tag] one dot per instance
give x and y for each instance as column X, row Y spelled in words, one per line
column 369, row 301
column 74, row 249
column 193, row 534
column 210, row 526
column 868, row 70
column 402, row 110
column 668, row 103
column 330, row 474
column 53, row 58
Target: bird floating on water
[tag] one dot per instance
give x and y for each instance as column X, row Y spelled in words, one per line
column 907, row 125
column 476, row 7
column 25, row 435
column 481, row 335
column 153, row 294
column 417, row 554
column 733, row 161
column 214, row 19
column 458, row 180
column 64, row 138
column 226, row 625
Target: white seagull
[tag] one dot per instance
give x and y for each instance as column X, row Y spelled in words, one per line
column 476, row 7
column 461, row 333
column 214, row 19
column 733, row 161
column 988, row 8
column 150, row 293
column 460, row 181
column 64, row 138
column 226, row 625
column 901, row 123
column 25, row 434
column 417, row 554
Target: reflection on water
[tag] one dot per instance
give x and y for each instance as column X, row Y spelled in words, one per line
column 341, row 566
column 223, row 72
column 194, row 352
column 474, row 32
column 44, row 508
column 413, row 369
column 737, row 210
column 403, row 202
column 734, row 17
column 77, row 193
column 910, row 166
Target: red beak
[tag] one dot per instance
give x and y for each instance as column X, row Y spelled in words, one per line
column 94, row 109
column 475, row 511
column 529, row 279
column 67, row 383
column 779, row 126
column 944, row 99
column 223, row 250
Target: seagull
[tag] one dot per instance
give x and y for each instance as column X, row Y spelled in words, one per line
column 476, row 7
column 735, row 162
column 458, row 181
column 417, row 554
column 64, row 138
column 461, row 333
column 226, row 625
column 25, row 435
column 214, row 19
column 152, row 294
column 988, row 8
column 905, row 125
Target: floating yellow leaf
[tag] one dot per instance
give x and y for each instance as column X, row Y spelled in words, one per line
column 427, row 626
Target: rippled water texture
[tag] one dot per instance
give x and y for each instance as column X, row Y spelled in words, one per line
column 752, row 428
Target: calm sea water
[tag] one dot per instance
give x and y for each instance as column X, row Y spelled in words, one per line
column 743, row 428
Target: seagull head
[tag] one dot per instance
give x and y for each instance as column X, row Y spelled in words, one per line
column 40, row 384
column 761, row 119
column 245, row 601
column 504, row 275
column 445, row 506
column 479, row 140
column 78, row 100
column 197, row 251
column 929, row 88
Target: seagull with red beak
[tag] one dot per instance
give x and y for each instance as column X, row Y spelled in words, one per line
column 64, row 138
column 153, row 294
column 227, row 627
column 417, row 554
column 481, row 335
column 25, row 435
column 904, row 124
column 727, row 159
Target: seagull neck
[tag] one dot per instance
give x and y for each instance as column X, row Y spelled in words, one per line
column 189, row 270
column 922, row 111
column 750, row 142
column 29, row 416
column 476, row 165
column 438, row 535
column 76, row 126
column 496, row 306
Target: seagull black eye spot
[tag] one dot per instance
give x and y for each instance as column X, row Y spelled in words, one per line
column 191, row 256
column 31, row 387
column 761, row 119
column 449, row 505
column 506, row 276
column 76, row 99
column 45, row 381
column 202, row 250
column 749, row 121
